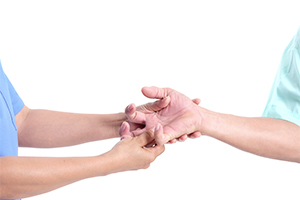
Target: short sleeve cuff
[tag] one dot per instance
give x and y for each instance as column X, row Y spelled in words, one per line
column 280, row 113
column 18, row 106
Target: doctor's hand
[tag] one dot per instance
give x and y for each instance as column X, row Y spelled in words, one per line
column 132, row 153
column 179, row 118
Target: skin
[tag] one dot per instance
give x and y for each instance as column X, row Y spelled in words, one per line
column 29, row 176
column 155, row 117
column 173, row 117
column 268, row 137
column 48, row 129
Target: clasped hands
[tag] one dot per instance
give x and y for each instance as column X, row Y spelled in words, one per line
column 174, row 117
column 148, row 127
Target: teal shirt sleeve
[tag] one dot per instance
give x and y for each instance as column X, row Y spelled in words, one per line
column 284, row 98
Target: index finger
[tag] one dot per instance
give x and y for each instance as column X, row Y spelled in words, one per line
column 133, row 115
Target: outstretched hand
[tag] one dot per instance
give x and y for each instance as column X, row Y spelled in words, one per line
column 175, row 113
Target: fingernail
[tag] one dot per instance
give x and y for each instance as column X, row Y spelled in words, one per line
column 130, row 107
column 122, row 138
column 123, row 126
column 127, row 109
column 157, row 127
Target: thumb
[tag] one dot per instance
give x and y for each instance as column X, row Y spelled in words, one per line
column 155, row 92
column 160, row 137
column 155, row 106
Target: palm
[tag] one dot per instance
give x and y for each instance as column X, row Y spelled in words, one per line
column 179, row 117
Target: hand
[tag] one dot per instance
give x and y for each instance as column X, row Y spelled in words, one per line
column 136, row 123
column 138, row 126
column 136, row 119
column 179, row 118
column 132, row 153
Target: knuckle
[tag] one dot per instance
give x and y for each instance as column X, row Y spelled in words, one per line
column 152, row 158
column 163, row 148
column 132, row 116
column 146, row 166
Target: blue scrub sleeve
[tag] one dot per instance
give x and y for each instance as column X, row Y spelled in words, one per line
column 16, row 101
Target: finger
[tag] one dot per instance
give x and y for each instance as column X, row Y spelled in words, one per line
column 173, row 141
column 155, row 92
column 182, row 138
column 125, row 136
column 133, row 115
column 158, row 148
column 194, row 135
column 197, row 101
column 159, row 135
column 145, row 138
column 124, row 131
column 138, row 131
column 155, row 106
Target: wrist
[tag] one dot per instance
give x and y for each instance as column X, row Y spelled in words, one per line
column 105, row 164
column 116, row 125
column 114, row 162
column 109, row 125
column 209, row 121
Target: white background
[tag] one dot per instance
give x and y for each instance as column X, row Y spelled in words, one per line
column 95, row 56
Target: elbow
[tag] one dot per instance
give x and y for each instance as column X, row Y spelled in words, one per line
column 295, row 156
column 9, row 186
column 298, row 156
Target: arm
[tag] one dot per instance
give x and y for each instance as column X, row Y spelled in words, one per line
column 22, row 177
column 44, row 128
column 268, row 137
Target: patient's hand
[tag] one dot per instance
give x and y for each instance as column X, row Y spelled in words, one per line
column 176, row 113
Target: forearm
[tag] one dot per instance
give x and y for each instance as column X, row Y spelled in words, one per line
column 22, row 177
column 44, row 128
column 268, row 137
column 27, row 176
